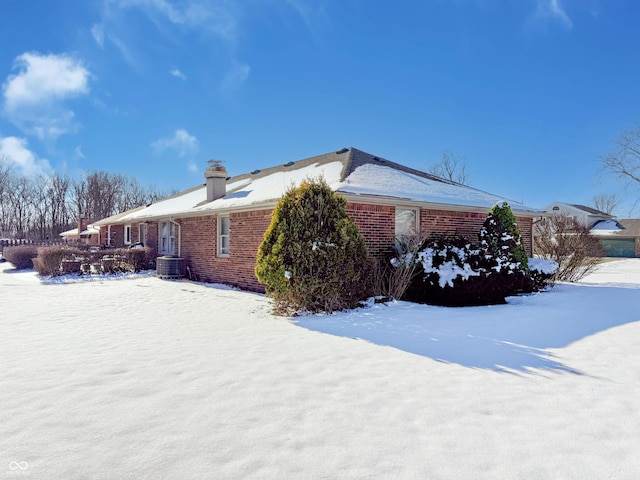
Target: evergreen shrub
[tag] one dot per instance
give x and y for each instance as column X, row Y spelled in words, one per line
column 454, row 271
column 313, row 257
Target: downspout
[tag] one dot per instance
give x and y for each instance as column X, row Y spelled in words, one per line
column 109, row 235
column 179, row 242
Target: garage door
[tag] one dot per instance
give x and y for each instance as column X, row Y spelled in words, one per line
column 619, row 247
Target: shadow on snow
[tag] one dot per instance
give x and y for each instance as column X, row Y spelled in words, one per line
column 512, row 337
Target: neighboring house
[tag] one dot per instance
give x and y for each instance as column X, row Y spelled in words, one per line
column 85, row 234
column 217, row 227
column 619, row 238
column 587, row 216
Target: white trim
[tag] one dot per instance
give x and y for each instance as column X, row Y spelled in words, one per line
column 219, row 249
column 125, row 240
column 166, row 249
column 416, row 223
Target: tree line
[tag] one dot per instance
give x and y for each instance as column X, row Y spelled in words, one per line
column 41, row 207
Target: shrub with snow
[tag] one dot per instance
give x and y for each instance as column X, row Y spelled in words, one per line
column 313, row 257
column 500, row 237
column 542, row 272
column 457, row 272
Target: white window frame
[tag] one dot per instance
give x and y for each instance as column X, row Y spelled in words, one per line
column 142, row 233
column 416, row 224
column 127, row 234
column 224, row 238
column 167, row 243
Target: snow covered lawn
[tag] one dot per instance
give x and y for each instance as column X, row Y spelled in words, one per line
column 148, row 379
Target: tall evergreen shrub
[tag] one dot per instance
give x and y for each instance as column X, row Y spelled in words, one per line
column 500, row 237
column 313, row 257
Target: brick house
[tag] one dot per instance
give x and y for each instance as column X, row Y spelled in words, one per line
column 217, row 227
column 84, row 234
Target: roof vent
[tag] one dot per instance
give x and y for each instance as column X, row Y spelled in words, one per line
column 344, row 150
column 290, row 164
column 255, row 172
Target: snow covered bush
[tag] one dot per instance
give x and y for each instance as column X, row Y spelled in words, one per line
column 20, row 255
column 456, row 272
column 500, row 237
column 542, row 272
column 453, row 272
column 504, row 251
column 313, row 257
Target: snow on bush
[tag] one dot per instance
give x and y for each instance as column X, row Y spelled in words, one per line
column 449, row 270
column 543, row 265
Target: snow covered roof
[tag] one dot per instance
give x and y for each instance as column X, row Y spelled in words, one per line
column 626, row 228
column 563, row 207
column 348, row 171
column 90, row 230
column 607, row 227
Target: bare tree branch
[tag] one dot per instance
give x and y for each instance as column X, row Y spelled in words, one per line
column 605, row 202
column 451, row 167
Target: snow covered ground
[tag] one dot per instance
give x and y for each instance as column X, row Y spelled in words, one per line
column 140, row 378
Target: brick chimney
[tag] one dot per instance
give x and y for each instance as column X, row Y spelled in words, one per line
column 83, row 224
column 216, row 176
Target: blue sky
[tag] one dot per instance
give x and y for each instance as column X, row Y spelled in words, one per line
column 530, row 92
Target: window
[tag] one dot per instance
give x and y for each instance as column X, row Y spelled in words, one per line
column 127, row 234
column 223, row 235
column 406, row 221
column 142, row 234
column 167, row 238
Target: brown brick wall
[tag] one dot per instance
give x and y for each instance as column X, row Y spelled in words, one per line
column 198, row 241
column 467, row 224
column 199, row 248
column 152, row 236
column 377, row 225
column 117, row 235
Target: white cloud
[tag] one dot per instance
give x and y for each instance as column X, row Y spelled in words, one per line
column 98, row 34
column 553, row 10
column 16, row 152
column 177, row 73
column 77, row 153
column 34, row 97
column 181, row 142
column 236, row 76
column 216, row 16
column 192, row 167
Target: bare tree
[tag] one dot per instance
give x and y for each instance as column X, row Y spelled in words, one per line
column 451, row 167
column 566, row 241
column 605, row 202
column 21, row 202
column 58, row 191
column 97, row 194
column 624, row 160
column 7, row 176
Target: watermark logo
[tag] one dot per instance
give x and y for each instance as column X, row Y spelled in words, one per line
column 18, row 466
